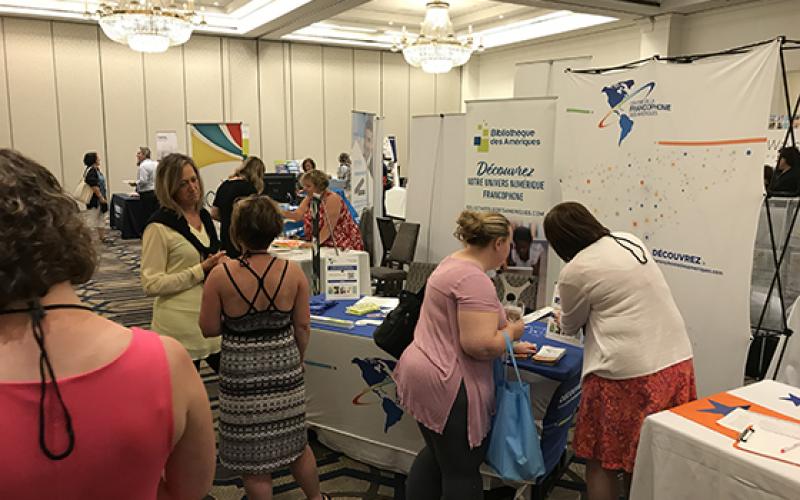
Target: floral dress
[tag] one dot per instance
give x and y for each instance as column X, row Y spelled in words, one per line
column 346, row 233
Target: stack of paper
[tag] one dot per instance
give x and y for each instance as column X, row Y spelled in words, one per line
column 549, row 354
column 763, row 435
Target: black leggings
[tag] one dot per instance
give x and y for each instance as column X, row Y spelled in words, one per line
column 447, row 467
column 212, row 360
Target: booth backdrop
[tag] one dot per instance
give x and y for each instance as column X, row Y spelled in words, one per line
column 509, row 167
column 674, row 153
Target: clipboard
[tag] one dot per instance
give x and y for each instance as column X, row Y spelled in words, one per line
column 759, row 441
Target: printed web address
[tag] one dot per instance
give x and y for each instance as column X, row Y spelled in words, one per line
column 687, row 266
column 529, row 213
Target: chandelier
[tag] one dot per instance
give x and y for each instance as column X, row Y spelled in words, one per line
column 148, row 25
column 437, row 49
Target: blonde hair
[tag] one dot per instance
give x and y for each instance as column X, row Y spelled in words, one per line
column 168, row 181
column 253, row 171
column 481, row 228
column 316, row 178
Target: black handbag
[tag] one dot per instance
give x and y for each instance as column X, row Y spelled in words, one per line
column 397, row 330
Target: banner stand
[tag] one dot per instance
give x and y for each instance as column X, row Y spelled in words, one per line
column 675, row 185
column 761, row 334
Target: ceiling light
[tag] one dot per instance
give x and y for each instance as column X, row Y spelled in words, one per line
column 436, row 49
column 148, row 25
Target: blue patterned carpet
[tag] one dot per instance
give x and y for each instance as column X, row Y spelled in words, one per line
column 115, row 292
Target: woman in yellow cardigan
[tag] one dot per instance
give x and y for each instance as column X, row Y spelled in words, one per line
column 179, row 248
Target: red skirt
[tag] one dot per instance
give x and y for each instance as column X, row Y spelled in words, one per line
column 611, row 412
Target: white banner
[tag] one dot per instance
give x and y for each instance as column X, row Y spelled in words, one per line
column 674, row 153
column 509, row 169
column 437, row 158
column 362, row 155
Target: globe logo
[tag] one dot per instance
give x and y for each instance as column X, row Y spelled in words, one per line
column 618, row 95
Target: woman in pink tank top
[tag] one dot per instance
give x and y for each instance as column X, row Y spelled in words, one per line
column 444, row 378
column 90, row 409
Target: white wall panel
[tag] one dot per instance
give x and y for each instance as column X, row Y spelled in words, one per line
column 244, row 89
column 202, row 57
column 448, row 91
column 395, row 77
column 164, row 95
column 124, row 104
column 80, row 100
column 367, row 81
column 287, row 102
column 32, row 93
column 422, row 99
column 273, row 103
column 307, row 108
column 607, row 48
column 5, row 117
column 338, row 93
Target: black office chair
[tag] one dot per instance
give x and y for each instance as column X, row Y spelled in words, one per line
column 389, row 279
column 387, row 231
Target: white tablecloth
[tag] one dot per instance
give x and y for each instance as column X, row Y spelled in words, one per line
column 303, row 257
column 355, row 417
column 680, row 459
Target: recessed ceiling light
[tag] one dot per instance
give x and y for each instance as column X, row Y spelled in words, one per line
column 216, row 4
column 391, row 23
column 500, row 16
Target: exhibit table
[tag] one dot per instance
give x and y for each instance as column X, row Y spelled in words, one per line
column 683, row 453
column 302, row 256
column 352, row 399
column 128, row 215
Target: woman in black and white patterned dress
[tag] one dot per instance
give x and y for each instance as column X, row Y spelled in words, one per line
column 260, row 306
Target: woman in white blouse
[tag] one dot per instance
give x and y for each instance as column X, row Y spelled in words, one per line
column 637, row 357
column 179, row 248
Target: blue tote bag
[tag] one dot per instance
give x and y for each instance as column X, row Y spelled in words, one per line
column 514, row 450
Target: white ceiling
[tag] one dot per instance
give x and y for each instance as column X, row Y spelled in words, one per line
column 377, row 23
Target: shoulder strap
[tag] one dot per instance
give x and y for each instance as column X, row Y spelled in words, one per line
column 280, row 282
column 238, row 290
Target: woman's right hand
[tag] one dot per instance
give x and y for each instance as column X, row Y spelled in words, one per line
column 211, row 261
column 516, row 329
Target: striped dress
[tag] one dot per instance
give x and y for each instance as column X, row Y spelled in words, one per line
column 262, row 392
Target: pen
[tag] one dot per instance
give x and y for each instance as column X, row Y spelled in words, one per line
column 790, row 448
column 745, row 433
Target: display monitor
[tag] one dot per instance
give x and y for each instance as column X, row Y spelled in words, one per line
column 281, row 187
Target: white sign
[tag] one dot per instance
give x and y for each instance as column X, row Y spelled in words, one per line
column 674, row 154
column 509, row 169
column 362, row 156
column 166, row 143
column 341, row 277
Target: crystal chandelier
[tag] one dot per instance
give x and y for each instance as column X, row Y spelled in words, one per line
column 148, row 25
column 436, row 49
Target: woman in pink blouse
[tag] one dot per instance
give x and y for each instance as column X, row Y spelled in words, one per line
column 88, row 408
column 444, row 378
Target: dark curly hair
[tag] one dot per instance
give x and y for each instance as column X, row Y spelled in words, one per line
column 42, row 238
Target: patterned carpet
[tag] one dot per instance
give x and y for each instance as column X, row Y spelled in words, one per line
column 116, row 293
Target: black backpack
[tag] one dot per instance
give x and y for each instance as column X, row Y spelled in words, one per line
column 397, row 330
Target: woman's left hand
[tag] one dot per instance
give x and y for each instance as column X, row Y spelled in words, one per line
column 525, row 348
